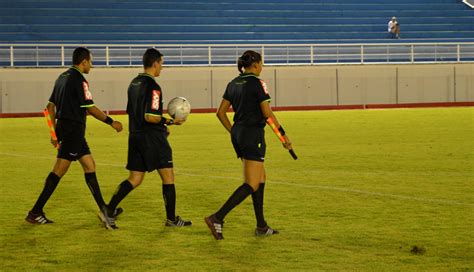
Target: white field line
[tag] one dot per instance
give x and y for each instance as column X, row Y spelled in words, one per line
column 340, row 189
column 189, row 172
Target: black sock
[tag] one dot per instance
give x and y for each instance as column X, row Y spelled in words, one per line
column 235, row 199
column 257, row 198
column 49, row 186
column 169, row 196
column 122, row 191
column 93, row 185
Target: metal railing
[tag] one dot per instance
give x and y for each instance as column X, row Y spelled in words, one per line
column 119, row 55
column 470, row 3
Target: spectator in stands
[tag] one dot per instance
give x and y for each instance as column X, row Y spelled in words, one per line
column 394, row 28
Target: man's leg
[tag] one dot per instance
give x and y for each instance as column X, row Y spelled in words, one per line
column 88, row 164
column 36, row 215
column 397, row 31
column 134, row 180
column 169, row 197
column 169, row 192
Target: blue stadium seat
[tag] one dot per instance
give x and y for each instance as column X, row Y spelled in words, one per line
column 212, row 21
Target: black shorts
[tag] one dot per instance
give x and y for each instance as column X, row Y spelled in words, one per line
column 148, row 151
column 72, row 142
column 249, row 142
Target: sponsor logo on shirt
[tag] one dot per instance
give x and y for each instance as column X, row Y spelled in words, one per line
column 87, row 93
column 155, row 100
column 264, row 85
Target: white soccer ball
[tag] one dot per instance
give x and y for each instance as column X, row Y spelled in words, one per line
column 179, row 108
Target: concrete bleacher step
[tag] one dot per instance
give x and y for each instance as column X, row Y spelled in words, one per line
column 151, row 2
column 240, row 29
column 223, row 21
column 209, row 37
column 178, row 20
column 236, row 6
column 189, row 13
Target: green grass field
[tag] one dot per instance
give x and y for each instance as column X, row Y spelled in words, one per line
column 368, row 186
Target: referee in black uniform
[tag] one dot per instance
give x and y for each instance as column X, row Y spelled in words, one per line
column 69, row 104
column 249, row 98
column 148, row 147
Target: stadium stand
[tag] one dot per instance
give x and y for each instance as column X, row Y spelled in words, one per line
column 225, row 21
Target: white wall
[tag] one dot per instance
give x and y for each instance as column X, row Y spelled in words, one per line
column 27, row 90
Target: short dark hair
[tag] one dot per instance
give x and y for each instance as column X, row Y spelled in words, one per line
column 248, row 58
column 151, row 55
column 80, row 54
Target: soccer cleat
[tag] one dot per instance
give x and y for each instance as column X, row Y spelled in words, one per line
column 215, row 226
column 178, row 222
column 109, row 222
column 38, row 219
column 266, row 231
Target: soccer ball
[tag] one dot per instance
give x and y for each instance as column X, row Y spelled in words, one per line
column 179, row 108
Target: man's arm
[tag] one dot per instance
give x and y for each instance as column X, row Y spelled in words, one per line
column 52, row 113
column 157, row 119
column 51, row 107
column 99, row 115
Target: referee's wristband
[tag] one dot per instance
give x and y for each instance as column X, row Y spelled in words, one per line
column 281, row 130
column 165, row 121
column 162, row 121
column 108, row 120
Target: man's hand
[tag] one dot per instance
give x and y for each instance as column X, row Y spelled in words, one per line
column 54, row 142
column 178, row 121
column 117, row 126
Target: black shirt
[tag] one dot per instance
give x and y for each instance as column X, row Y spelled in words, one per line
column 71, row 96
column 144, row 97
column 245, row 93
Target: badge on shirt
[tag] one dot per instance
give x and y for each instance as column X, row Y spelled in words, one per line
column 264, row 85
column 155, row 100
column 87, row 93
